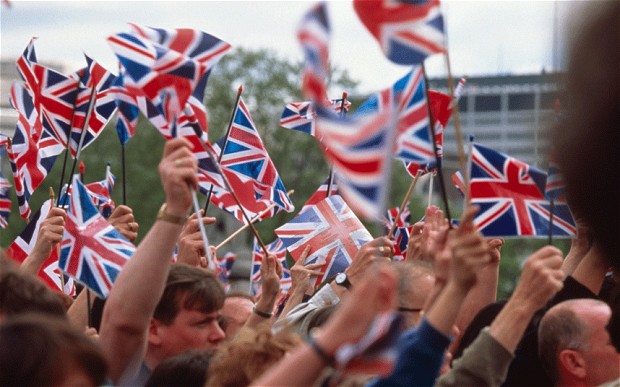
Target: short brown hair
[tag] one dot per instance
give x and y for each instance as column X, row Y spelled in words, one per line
column 189, row 288
column 39, row 350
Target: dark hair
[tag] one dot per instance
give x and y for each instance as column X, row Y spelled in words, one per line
column 188, row 369
column 588, row 140
column 39, row 350
column 22, row 293
column 189, row 288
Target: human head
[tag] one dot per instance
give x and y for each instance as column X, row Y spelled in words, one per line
column 187, row 314
column 415, row 282
column 22, row 293
column 40, row 350
column 236, row 311
column 588, row 139
column 574, row 345
column 251, row 352
column 188, row 369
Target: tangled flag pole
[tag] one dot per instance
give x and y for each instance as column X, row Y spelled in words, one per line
column 230, row 122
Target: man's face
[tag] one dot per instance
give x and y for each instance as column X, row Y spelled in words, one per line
column 235, row 313
column 601, row 358
column 191, row 329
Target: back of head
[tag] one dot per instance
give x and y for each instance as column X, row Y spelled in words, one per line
column 188, row 369
column 588, row 139
column 22, row 293
column 189, row 288
column 39, row 350
column 562, row 328
column 250, row 353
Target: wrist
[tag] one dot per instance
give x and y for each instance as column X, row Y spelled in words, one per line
column 171, row 214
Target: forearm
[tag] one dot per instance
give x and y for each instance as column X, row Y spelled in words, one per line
column 444, row 311
column 135, row 295
column 78, row 312
column 481, row 295
column 510, row 324
column 33, row 262
column 296, row 297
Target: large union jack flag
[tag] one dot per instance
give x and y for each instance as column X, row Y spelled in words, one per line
column 32, row 151
column 278, row 249
column 359, row 150
column 244, row 153
column 96, row 80
column 407, row 30
column 92, row 251
column 510, row 195
column 333, row 233
column 313, row 34
column 23, row 245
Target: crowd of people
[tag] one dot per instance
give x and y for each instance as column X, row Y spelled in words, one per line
column 169, row 323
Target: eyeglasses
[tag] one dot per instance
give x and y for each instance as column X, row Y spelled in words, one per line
column 412, row 310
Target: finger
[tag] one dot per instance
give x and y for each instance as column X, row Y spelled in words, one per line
column 175, row 144
column 313, row 266
column 314, row 272
column 304, row 254
column 467, row 220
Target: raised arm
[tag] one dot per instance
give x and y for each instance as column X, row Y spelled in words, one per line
column 50, row 234
column 140, row 284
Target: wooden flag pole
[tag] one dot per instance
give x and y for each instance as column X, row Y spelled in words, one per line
column 405, row 200
column 219, row 158
column 330, row 182
column 439, row 168
column 254, row 219
column 457, row 122
column 82, row 135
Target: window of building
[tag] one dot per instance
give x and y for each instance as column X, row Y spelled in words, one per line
column 488, row 103
column 463, row 103
column 524, row 101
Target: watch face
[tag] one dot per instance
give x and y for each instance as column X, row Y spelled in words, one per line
column 340, row 278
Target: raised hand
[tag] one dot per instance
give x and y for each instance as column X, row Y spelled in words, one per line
column 377, row 250
column 122, row 219
column 178, row 173
column 191, row 247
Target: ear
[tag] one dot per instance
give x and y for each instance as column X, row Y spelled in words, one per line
column 154, row 337
column 572, row 362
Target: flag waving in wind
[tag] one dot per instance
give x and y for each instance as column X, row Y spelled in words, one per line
column 313, row 34
column 92, row 251
column 407, row 30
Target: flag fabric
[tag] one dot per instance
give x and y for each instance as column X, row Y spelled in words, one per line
column 200, row 46
column 99, row 192
column 300, row 115
column 54, row 97
column 392, row 217
column 278, row 249
column 95, row 80
column 401, row 237
column 32, row 151
column 359, row 151
column 407, row 30
column 224, row 266
column 320, row 194
column 92, row 251
column 164, row 76
column 244, row 153
column 313, row 34
column 510, row 195
column 24, row 67
column 23, row 245
column 554, row 188
column 127, row 110
column 376, row 352
column 333, row 233
column 5, row 201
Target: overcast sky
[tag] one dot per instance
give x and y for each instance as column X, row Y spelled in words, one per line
column 485, row 37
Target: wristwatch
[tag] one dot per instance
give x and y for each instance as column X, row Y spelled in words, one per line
column 166, row 217
column 342, row 280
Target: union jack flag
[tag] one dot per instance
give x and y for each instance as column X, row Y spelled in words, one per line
column 407, row 30
column 5, row 201
column 166, row 77
column 554, row 188
column 392, row 216
column 300, row 115
column 244, row 153
column 510, row 195
column 54, row 97
column 23, row 245
column 278, row 249
column 96, row 80
column 127, row 110
column 32, row 151
column 92, row 251
column 224, row 266
column 320, row 194
column 333, row 233
column 24, row 67
column 359, row 150
column 313, row 34
column 200, row 46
